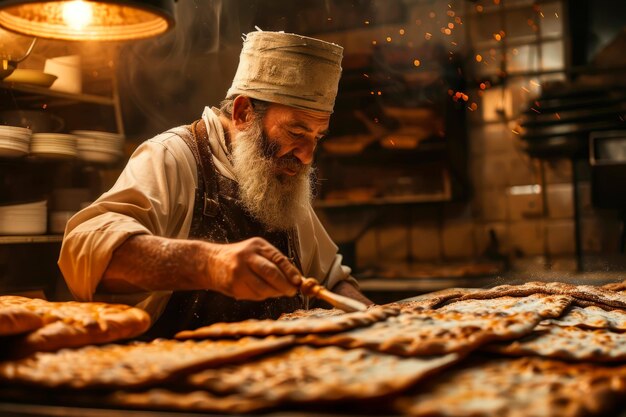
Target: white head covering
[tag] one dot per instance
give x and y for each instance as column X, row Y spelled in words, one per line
column 288, row 69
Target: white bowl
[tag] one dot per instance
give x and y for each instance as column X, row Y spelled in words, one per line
column 15, row 130
column 68, row 71
column 84, row 142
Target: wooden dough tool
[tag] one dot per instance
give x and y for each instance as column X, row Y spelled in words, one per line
column 310, row 287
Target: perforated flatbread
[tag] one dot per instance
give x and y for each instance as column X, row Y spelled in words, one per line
column 133, row 365
column 570, row 343
column 327, row 324
column 431, row 333
column 591, row 318
column 516, row 388
column 304, row 374
column 74, row 324
column 587, row 294
column 546, row 306
column 314, row 313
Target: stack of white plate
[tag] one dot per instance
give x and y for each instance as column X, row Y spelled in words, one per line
column 58, row 220
column 14, row 141
column 53, row 145
column 23, row 219
column 96, row 146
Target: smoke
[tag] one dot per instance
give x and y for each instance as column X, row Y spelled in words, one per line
column 166, row 81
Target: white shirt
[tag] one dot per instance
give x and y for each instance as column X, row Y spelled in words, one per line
column 155, row 195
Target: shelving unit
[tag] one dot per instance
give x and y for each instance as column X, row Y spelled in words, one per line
column 406, row 199
column 33, row 96
column 38, row 176
column 12, row 240
column 37, row 94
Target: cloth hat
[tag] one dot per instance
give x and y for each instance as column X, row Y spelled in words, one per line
column 288, row 69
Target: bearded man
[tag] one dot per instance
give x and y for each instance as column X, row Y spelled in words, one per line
column 213, row 221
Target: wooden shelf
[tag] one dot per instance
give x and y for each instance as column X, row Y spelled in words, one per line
column 61, row 98
column 516, row 41
column 376, row 152
column 383, row 201
column 10, row 240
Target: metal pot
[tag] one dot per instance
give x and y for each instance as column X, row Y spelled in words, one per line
column 7, row 66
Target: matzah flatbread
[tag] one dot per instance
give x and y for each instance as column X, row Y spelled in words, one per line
column 304, row 374
column 570, row 343
column 515, row 388
column 416, row 306
column 133, row 365
column 431, row 333
column 615, row 286
column 591, row 318
column 432, row 300
column 546, row 306
column 164, row 399
column 328, row 324
column 585, row 293
column 314, row 313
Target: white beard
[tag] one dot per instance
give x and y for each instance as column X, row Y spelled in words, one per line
column 278, row 201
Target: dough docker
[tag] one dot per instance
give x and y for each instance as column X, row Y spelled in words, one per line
column 311, row 288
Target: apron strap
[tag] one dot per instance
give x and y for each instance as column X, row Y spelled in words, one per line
column 206, row 170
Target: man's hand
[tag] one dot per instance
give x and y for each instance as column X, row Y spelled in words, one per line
column 251, row 270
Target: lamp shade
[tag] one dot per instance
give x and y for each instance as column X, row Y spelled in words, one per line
column 102, row 20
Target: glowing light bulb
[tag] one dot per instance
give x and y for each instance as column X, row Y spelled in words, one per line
column 77, row 14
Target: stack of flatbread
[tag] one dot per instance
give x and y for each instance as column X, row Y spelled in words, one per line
column 31, row 325
column 539, row 349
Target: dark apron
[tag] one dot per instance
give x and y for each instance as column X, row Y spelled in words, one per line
column 219, row 217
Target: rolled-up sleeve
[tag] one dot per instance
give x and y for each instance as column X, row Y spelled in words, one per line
column 153, row 195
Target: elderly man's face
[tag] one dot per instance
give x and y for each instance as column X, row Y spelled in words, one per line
column 272, row 161
column 294, row 133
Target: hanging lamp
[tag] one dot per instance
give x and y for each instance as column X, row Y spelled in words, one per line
column 86, row 20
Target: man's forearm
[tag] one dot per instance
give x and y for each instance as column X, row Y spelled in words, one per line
column 152, row 263
column 252, row 269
